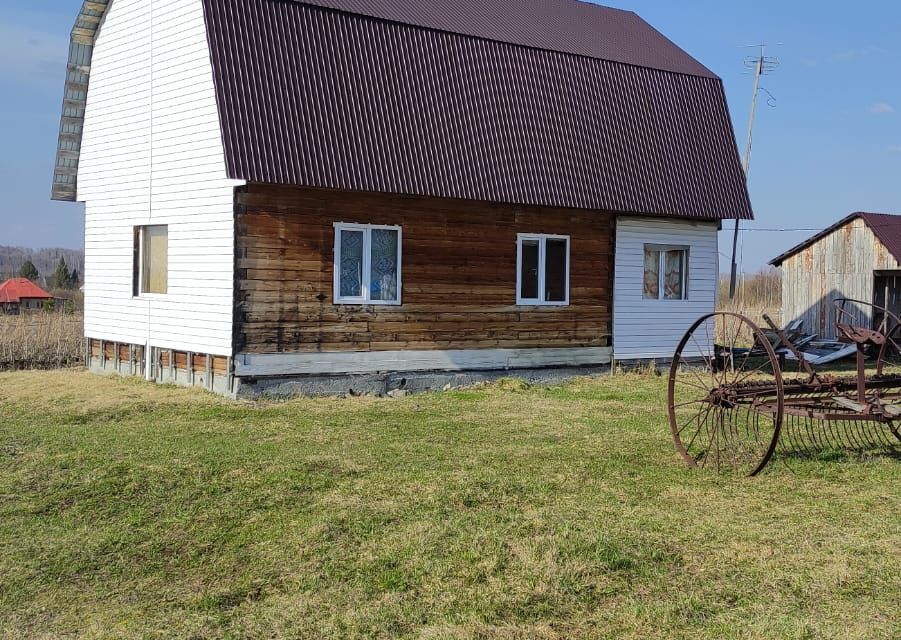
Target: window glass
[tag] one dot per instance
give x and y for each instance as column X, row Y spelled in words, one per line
column 155, row 260
column 351, row 283
column 543, row 277
column 555, row 270
column 529, row 276
column 674, row 280
column 383, row 279
column 367, row 269
column 651, row 274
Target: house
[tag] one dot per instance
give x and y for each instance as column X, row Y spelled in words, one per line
column 313, row 195
column 858, row 258
column 21, row 295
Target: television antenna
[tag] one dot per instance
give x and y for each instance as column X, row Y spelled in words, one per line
column 760, row 65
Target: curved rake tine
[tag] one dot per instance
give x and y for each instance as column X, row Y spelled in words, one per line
column 838, row 441
column 790, row 442
column 790, row 432
column 809, row 439
column 785, row 441
column 857, row 434
column 843, row 434
column 818, row 435
column 868, row 434
column 806, row 428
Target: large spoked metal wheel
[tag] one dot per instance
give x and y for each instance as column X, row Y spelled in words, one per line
column 889, row 356
column 726, row 396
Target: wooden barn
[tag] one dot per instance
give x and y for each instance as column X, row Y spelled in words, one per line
column 331, row 194
column 859, row 257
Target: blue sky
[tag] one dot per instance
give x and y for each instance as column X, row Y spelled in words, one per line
column 831, row 145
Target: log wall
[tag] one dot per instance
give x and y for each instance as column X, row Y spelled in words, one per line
column 458, row 276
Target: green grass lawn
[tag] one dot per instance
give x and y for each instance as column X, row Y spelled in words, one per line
column 134, row 511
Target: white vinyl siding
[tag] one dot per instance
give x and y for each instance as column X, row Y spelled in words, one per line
column 152, row 155
column 646, row 329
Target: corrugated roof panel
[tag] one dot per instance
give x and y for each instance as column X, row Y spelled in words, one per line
column 323, row 98
column 567, row 26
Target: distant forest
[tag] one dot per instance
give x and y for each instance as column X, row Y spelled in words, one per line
column 46, row 261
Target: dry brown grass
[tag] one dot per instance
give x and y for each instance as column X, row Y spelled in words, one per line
column 757, row 296
column 49, row 340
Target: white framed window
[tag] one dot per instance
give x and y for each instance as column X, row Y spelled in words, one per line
column 665, row 272
column 151, row 260
column 367, row 264
column 542, row 270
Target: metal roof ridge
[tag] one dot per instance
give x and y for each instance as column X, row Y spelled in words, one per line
column 707, row 72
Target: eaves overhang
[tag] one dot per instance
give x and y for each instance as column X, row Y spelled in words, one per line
column 78, row 72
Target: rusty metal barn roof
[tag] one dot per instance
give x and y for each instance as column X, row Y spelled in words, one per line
column 547, row 102
column 885, row 226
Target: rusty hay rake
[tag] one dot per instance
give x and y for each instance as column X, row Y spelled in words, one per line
column 732, row 401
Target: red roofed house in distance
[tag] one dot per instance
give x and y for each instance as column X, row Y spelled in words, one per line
column 20, row 295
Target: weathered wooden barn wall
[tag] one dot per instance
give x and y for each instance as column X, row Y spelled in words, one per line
column 840, row 265
column 459, row 275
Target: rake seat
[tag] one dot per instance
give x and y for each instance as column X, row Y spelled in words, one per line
column 860, row 335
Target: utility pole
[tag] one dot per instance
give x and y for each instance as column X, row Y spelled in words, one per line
column 761, row 66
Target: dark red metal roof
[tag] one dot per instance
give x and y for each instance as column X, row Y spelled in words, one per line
column 885, row 226
column 17, row 289
column 567, row 26
column 425, row 99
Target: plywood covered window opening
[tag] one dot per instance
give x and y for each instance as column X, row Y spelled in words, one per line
column 665, row 272
column 151, row 260
column 542, row 270
column 367, row 264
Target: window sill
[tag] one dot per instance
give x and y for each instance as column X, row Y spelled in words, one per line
column 365, row 303
column 552, row 305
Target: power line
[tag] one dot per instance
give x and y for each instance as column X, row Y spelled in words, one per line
column 818, row 229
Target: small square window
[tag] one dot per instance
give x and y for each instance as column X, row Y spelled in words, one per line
column 151, row 260
column 665, row 272
column 367, row 264
column 542, row 270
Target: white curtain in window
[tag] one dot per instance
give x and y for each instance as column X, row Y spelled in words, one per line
column 651, row 274
column 674, row 276
column 351, row 264
column 383, row 278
